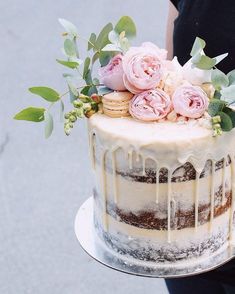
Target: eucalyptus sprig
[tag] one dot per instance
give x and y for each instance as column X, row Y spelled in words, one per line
column 223, row 116
column 100, row 47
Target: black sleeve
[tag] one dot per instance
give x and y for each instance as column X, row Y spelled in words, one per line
column 175, row 3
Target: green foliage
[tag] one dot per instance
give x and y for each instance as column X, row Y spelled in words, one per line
column 231, row 114
column 91, row 42
column 215, row 106
column 127, row 25
column 102, row 39
column 228, row 94
column 31, row 114
column 231, row 77
column 69, row 27
column 219, row 79
column 226, row 122
column 70, row 64
column 86, row 67
column 198, row 45
column 204, row 62
column 69, row 47
column 48, row 124
column 47, row 93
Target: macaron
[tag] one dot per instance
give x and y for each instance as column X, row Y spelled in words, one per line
column 116, row 104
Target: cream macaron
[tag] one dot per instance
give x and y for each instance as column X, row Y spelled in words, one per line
column 116, row 104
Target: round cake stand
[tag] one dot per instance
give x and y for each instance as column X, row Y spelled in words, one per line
column 96, row 248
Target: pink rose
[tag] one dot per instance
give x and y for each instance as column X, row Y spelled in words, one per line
column 150, row 105
column 143, row 67
column 190, row 101
column 111, row 75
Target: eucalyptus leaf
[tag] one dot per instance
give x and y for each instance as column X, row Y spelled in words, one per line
column 72, row 87
column 105, row 57
column 86, row 67
column 215, row 106
column 69, row 47
column 88, row 77
column 85, row 90
column 198, row 45
column 69, row 27
column 113, row 37
column 112, row 47
column 217, row 94
column 205, row 63
column 226, row 122
column 92, row 90
column 95, row 82
column 231, row 77
column 95, row 57
column 47, row 93
column 34, row 114
column 72, row 96
column 61, row 111
column 219, row 58
column 91, row 43
column 219, row 79
column 126, row 24
column 125, row 45
column 102, row 38
column 70, row 64
column 228, row 94
column 48, row 124
column 104, row 90
column 231, row 113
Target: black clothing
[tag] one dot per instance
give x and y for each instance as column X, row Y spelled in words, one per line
column 211, row 20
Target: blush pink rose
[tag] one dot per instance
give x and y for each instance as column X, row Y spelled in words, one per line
column 111, row 75
column 190, row 101
column 143, row 67
column 151, row 105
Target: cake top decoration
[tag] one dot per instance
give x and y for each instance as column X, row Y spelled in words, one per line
column 159, row 89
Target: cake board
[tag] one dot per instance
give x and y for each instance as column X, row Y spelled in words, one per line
column 98, row 250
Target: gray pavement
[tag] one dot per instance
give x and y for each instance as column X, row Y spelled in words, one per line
column 43, row 182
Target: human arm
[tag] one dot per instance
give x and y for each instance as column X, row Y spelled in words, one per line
column 172, row 15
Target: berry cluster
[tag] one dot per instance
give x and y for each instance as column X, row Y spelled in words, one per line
column 83, row 106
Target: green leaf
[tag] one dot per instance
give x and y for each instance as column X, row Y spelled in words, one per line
column 105, row 57
column 205, row 63
column 228, row 94
column 103, row 39
column 85, row 90
column 113, row 37
column 86, row 67
column 219, row 79
column 31, row 114
column 69, row 27
column 48, row 124
column 45, row 92
column 70, row 64
column 125, row 45
column 126, row 24
column 226, row 122
column 104, row 90
column 72, row 96
column 95, row 57
column 61, row 111
column 69, row 47
column 215, row 106
column 91, row 43
column 72, row 87
column 95, row 82
column 231, row 77
column 231, row 114
column 217, row 94
column 111, row 47
column 220, row 57
column 198, row 45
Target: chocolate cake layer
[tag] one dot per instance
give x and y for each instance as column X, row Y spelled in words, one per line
column 186, row 171
column 134, row 248
column 182, row 219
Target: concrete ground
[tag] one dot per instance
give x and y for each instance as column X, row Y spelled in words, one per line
column 43, row 182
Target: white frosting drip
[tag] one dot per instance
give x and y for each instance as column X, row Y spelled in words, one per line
column 169, row 145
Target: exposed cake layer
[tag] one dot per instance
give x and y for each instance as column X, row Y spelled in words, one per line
column 151, row 245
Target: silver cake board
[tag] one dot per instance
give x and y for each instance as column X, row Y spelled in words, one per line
column 97, row 249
